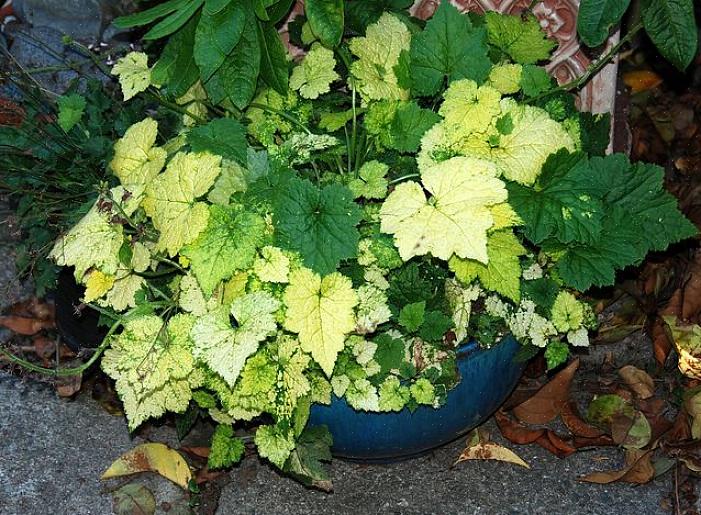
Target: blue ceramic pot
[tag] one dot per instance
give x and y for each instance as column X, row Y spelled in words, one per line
column 487, row 378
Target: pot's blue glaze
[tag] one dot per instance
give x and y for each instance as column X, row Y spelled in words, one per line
column 487, row 377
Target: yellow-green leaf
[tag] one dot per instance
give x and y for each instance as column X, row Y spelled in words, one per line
column 152, row 457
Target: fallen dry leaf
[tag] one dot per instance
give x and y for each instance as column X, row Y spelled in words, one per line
column 547, row 403
column 24, row 325
column 515, row 432
column 641, row 80
column 152, row 457
column 200, row 452
column 133, row 500
column 638, row 380
column 479, row 448
column 638, row 470
column 573, row 421
column 205, row 474
column 557, row 445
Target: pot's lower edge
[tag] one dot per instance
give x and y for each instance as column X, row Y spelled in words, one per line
column 488, row 376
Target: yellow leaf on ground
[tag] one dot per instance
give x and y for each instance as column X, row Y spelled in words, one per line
column 478, row 448
column 641, row 80
column 152, row 457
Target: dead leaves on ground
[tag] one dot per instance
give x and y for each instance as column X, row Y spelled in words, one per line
column 479, row 447
column 152, row 457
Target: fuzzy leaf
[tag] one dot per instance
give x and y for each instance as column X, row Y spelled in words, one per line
column 224, row 348
column 229, row 243
column 521, row 39
column 409, row 124
column 314, row 75
column 454, row 220
column 224, row 137
column 171, row 199
column 70, row 110
column 321, row 312
column 319, row 224
column 136, row 161
column 134, row 73
column 449, row 48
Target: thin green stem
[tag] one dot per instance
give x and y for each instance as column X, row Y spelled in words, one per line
column 153, row 94
column 283, row 114
column 404, row 177
column 594, row 67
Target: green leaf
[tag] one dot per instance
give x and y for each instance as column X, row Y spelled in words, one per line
column 409, row 124
column 411, row 317
column 562, row 205
column 556, row 353
column 542, row 291
column 521, row 38
column 237, row 78
column 279, row 11
column 173, row 22
column 133, row 499
column 389, row 353
column 305, row 462
column 596, row 17
column 326, row 20
column 273, row 58
column 361, row 13
column 226, row 449
column 502, row 273
column 176, row 67
column 229, row 243
column 225, row 137
column 639, row 190
column 149, row 15
column 319, row 224
column 595, row 133
column 435, row 325
column 216, row 36
column 449, row 48
column 672, row 27
column 534, row 80
column 70, row 110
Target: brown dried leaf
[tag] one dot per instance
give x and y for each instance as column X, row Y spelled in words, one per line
column 555, row 444
column 547, row 403
column 200, row 452
column 516, row 432
column 638, row 380
column 578, row 427
column 599, row 441
column 638, row 470
column 132, row 499
column 24, row 325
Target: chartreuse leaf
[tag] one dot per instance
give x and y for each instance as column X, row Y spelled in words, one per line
column 176, row 68
column 325, row 18
column 174, row 21
column 671, row 26
column 70, row 110
column 520, row 155
column 321, row 312
column 218, row 32
column 449, row 48
column 506, row 78
column 134, row 73
column 225, row 348
column 502, row 273
column 454, row 220
column 378, row 53
column 94, row 242
column 371, row 182
column 305, row 462
column 521, row 38
column 275, row 443
column 152, row 365
column 409, row 124
column 314, row 75
column 361, row 13
column 273, row 58
column 319, row 224
column 468, row 108
column 596, row 17
column 224, row 137
column 237, row 77
column 229, row 243
column 171, row 199
column 136, row 161
column 226, row 449
column 562, row 205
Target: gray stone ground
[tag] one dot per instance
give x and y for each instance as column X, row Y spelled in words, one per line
column 53, row 451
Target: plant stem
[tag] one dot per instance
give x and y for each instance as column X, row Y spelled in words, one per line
column 594, row 67
column 286, row 116
column 404, row 177
column 153, row 94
